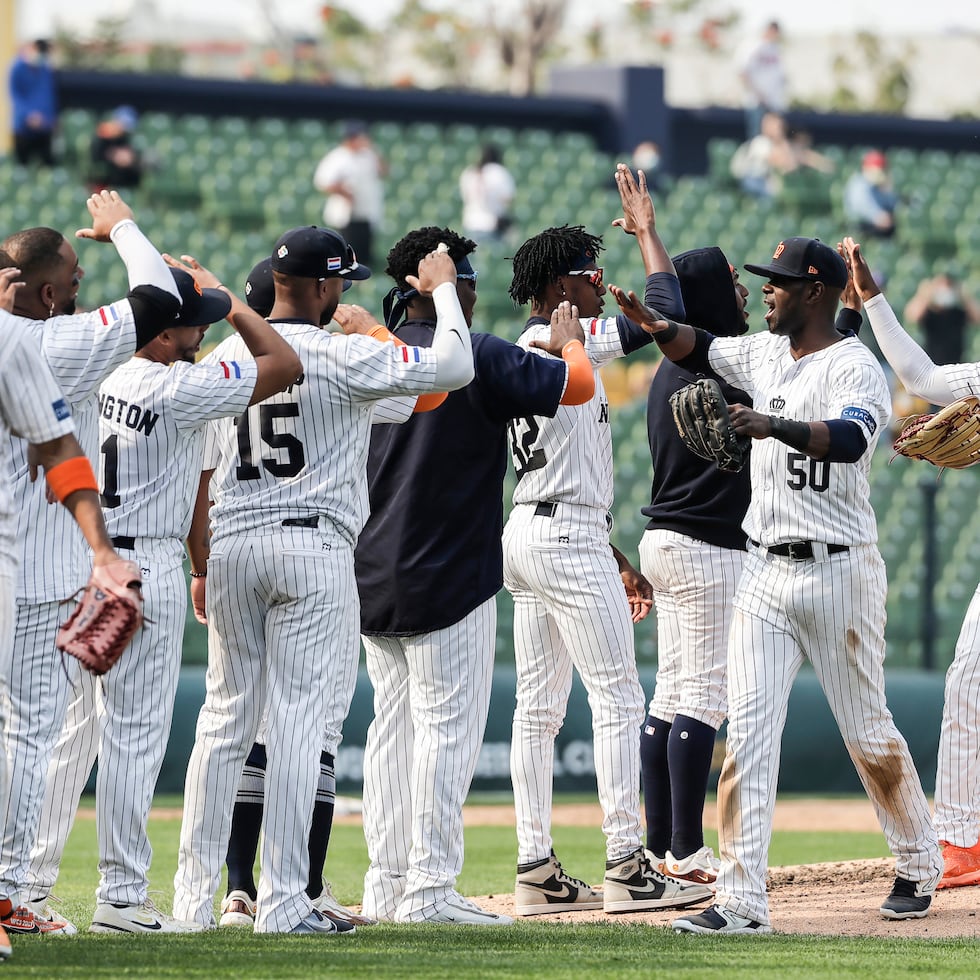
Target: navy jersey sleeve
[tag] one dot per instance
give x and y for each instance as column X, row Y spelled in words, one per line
column 848, row 321
column 514, row 382
column 663, row 294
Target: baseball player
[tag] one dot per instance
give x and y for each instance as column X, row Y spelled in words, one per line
column 691, row 553
column 570, row 607
column 957, row 800
column 153, row 412
column 290, row 497
column 32, row 406
column 238, row 905
column 428, row 571
column 81, row 350
column 813, row 584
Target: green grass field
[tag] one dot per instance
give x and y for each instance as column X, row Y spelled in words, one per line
column 527, row 949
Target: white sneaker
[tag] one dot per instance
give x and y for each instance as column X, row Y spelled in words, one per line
column 49, row 921
column 632, row 885
column 318, row 924
column 544, row 886
column 701, row 867
column 719, row 921
column 145, row 918
column 237, row 909
column 327, row 903
column 459, row 911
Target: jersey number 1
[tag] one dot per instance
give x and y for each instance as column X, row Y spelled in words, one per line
column 295, row 455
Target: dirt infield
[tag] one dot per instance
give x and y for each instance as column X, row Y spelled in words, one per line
column 836, row 899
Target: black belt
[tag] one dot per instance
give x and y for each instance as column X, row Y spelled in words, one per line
column 301, row 522
column 124, row 542
column 545, row 508
column 801, row 550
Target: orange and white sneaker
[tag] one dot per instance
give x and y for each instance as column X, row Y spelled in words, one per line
column 961, row 865
column 701, row 867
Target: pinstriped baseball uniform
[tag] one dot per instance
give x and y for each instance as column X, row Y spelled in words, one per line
column 32, row 406
column 828, row 609
column 957, row 800
column 55, row 563
column 151, row 422
column 282, row 603
column 570, row 608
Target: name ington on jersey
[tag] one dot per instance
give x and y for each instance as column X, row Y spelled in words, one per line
column 130, row 414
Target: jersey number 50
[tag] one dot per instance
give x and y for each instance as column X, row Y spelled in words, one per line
column 295, row 456
column 805, row 471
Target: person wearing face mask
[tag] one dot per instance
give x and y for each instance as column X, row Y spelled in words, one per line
column 34, row 103
column 942, row 309
column 869, row 198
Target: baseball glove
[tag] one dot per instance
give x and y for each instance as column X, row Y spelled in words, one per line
column 701, row 415
column 105, row 619
column 950, row 438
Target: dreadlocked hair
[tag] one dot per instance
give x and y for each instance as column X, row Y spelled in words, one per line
column 405, row 255
column 542, row 259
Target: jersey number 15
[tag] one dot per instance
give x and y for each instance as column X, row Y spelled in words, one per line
column 295, row 459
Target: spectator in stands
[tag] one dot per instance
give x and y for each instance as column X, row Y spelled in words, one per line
column 646, row 157
column 759, row 162
column 869, row 199
column 942, row 309
column 487, row 189
column 34, row 103
column 116, row 162
column 351, row 175
column 763, row 77
column 801, row 143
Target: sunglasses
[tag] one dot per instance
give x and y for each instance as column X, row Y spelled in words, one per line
column 593, row 275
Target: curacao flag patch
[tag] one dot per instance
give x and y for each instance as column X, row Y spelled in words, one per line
column 410, row 354
column 231, row 369
column 109, row 314
column 862, row 416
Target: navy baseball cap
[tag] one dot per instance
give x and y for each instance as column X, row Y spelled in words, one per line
column 316, row 253
column 260, row 288
column 199, row 306
column 805, row 258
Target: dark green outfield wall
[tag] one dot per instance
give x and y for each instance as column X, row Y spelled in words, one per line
column 814, row 759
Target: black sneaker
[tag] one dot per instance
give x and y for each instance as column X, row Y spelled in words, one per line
column 719, row 921
column 905, row 902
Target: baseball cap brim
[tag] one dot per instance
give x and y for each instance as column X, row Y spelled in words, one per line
column 355, row 271
column 774, row 270
column 198, row 306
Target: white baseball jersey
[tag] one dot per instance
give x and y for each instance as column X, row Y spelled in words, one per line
column 796, row 497
column 569, row 458
column 80, row 351
column 31, row 407
column 304, row 452
column 151, row 419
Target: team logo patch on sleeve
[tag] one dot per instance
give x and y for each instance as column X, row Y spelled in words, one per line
column 61, row 410
column 109, row 314
column 231, row 369
column 410, row 354
column 862, row 416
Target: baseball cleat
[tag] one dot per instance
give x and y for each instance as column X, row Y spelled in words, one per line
column 145, row 918
column 543, row 886
column 50, row 920
column 701, row 867
column 905, row 901
column 21, row 921
column 459, row 911
column 318, row 924
column 327, row 904
column 237, row 909
column 632, row 885
column 722, row 922
column 961, row 865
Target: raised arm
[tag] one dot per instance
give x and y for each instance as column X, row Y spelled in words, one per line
column 640, row 219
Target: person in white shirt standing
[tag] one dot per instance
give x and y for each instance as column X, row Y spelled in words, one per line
column 763, row 77
column 153, row 411
column 487, row 189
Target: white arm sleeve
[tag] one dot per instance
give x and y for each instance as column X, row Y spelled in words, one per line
column 451, row 341
column 914, row 367
column 144, row 263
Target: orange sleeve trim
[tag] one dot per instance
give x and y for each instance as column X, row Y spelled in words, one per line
column 426, row 403
column 581, row 378
column 384, row 335
column 70, row 476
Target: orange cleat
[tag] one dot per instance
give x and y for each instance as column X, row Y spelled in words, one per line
column 962, row 865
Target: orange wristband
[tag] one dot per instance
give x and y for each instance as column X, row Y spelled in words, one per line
column 383, row 334
column 426, row 403
column 581, row 378
column 71, row 475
